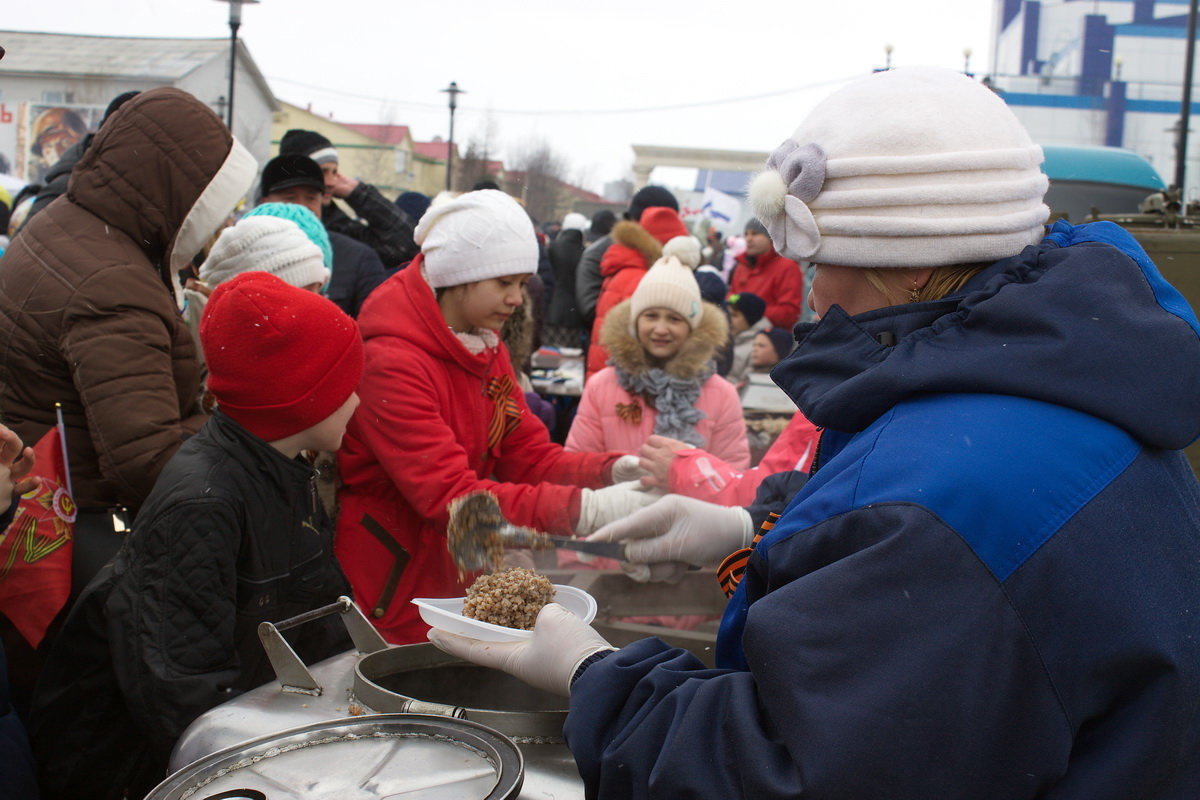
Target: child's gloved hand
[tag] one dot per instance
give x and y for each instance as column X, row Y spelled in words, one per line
column 676, row 532
column 626, row 468
column 598, row 507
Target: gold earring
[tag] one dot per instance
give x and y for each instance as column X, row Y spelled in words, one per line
column 914, row 294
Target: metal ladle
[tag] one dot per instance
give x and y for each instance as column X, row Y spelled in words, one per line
column 479, row 534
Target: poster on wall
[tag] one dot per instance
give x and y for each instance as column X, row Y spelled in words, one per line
column 35, row 140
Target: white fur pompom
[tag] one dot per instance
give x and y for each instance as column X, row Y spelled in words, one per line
column 767, row 193
column 684, row 248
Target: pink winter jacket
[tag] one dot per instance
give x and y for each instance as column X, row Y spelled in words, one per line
column 705, row 476
column 600, row 427
column 610, row 418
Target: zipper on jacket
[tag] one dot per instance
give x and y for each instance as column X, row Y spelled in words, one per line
column 816, row 462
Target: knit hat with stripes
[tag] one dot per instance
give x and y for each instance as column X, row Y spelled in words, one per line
column 912, row 167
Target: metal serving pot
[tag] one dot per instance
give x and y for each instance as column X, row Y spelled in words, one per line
column 411, row 680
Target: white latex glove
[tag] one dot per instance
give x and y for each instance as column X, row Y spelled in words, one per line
column 626, row 468
column 598, row 507
column 547, row 660
column 675, row 532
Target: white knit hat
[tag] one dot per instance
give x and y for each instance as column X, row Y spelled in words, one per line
column 669, row 284
column 574, row 221
column 478, row 235
column 265, row 244
column 912, row 167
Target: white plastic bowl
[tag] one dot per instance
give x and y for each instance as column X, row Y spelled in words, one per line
column 446, row 614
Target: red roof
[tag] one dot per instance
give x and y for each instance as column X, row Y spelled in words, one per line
column 436, row 150
column 387, row 134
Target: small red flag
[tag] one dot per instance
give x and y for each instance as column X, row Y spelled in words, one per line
column 35, row 551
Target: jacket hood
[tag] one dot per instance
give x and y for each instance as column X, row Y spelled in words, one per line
column 405, row 307
column 164, row 170
column 626, row 352
column 632, row 246
column 1083, row 320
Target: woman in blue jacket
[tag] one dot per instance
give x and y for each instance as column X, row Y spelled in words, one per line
column 989, row 585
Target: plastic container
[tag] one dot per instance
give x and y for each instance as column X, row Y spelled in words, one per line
column 446, row 614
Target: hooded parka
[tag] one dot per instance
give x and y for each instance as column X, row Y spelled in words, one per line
column 88, row 315
column 987, row 589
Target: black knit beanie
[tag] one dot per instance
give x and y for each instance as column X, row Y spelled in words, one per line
column 303, row 143
column 650, row 197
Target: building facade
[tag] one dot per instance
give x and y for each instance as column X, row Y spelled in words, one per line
column 55, row 87
column 1099, row 72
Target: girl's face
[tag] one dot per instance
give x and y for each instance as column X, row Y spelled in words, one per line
column 661, row 332
column 762, row 352
column 737, row 322
column 483, row 304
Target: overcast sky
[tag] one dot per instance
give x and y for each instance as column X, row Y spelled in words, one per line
column 733, row 75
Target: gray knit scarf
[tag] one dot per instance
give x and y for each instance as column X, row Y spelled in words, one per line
column 674, row 400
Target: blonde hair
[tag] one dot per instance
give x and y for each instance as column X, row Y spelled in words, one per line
column 944, row 281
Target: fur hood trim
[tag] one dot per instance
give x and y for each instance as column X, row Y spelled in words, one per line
column 631, row 234
column 626, row 352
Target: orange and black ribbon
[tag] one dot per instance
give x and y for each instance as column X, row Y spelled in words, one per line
column 730, row 573
column 630, row 412
column 506, row 414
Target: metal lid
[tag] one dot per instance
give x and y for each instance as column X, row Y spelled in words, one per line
column 414, row 756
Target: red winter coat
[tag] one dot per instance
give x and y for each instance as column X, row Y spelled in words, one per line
column 418, row 440
column 634, row 250
column 775, row 279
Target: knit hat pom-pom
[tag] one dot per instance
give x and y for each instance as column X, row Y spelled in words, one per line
column 767, row 194
column 684, row 248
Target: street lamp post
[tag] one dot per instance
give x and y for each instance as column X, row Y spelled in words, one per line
column 454, row 92
column 235, row 22
column 1185, row 105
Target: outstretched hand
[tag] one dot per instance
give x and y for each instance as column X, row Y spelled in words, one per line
column 16, row 462
column 663, row 539
column 655, row 458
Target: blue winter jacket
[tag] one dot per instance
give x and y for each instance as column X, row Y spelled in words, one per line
column 990, row 586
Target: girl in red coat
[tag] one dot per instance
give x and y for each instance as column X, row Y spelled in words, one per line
column 442, row 415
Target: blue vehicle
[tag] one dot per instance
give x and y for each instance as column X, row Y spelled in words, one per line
column 1108, row 179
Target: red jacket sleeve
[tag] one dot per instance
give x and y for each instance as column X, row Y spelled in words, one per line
column 417, row 446
column 783, row 306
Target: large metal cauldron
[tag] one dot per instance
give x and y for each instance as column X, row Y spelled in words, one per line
column 375, row 679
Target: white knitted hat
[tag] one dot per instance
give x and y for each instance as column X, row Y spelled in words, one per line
column 913, row 167
column 476, row 236
column 668, row 284
column 574, row 221
column 265, row 244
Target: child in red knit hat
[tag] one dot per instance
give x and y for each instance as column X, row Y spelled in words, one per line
column 232, row 535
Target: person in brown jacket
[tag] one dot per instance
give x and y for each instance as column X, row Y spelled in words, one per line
column 88, row 305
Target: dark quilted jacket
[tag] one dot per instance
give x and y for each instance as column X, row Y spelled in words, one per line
column 231, row 536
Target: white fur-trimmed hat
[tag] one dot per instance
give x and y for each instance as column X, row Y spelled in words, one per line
column 265, row 244
column 668, row 284
column 913, row 167
column 476, row 236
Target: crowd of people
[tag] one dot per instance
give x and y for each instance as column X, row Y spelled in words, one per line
column 975, row 544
